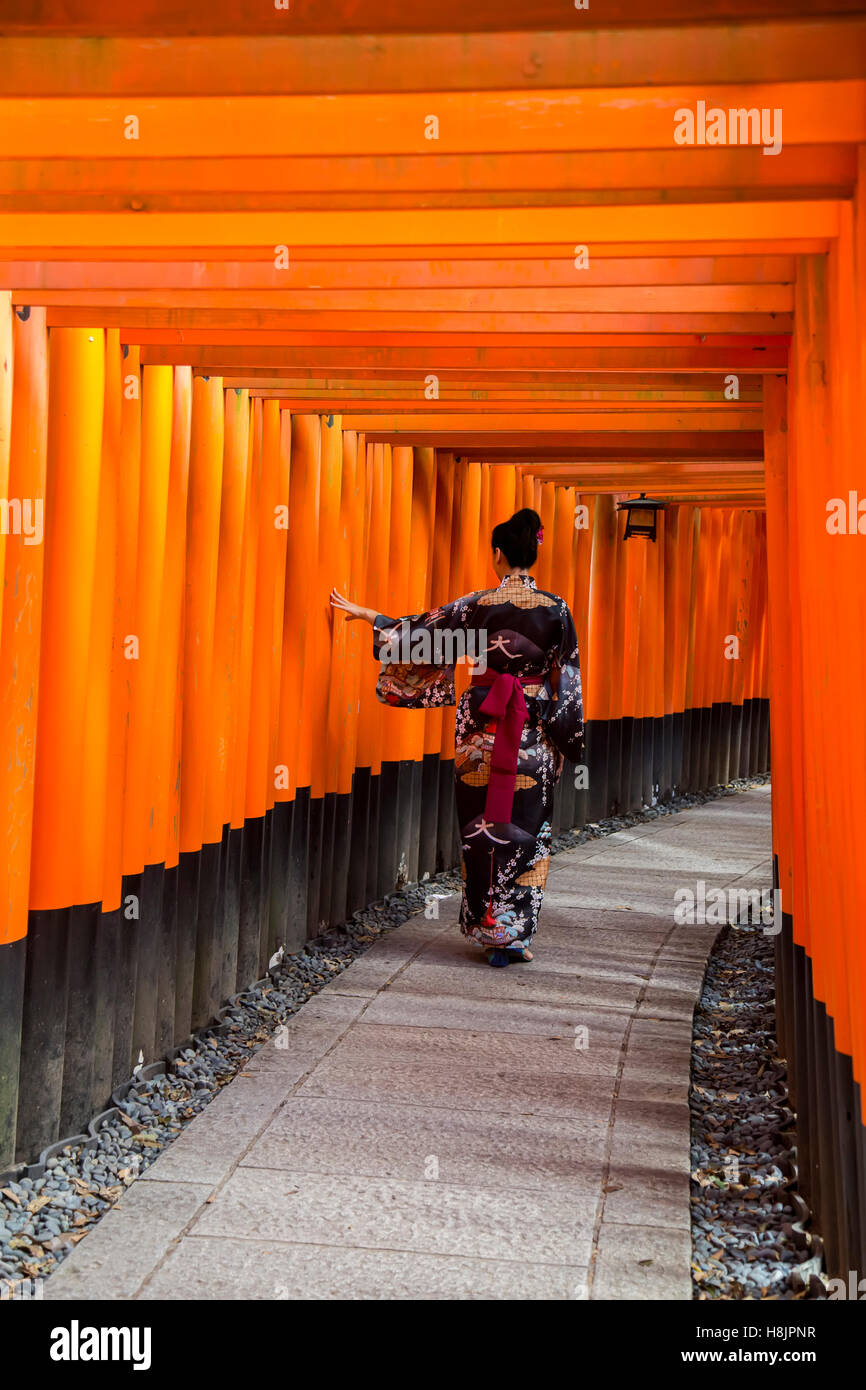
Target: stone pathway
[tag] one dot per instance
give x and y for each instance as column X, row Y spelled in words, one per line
column 427, row 1127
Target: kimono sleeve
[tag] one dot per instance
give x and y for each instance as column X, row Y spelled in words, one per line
column 564, row 722
column 417, row 655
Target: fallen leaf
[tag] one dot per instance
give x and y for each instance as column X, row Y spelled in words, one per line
column 38, row 1203
column 13, row 1196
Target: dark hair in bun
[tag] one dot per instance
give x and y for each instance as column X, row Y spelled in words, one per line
column 518, row 538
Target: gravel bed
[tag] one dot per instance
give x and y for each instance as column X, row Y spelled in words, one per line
column 745, row 1243
column 43, row 1217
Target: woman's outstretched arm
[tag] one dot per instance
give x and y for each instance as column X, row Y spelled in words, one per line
column 417, row 652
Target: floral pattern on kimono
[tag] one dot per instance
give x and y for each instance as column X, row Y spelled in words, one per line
column 525, row 631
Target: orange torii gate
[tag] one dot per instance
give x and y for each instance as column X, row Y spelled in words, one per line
column 382, row 282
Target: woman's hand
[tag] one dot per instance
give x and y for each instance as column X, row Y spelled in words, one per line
column 353, row 611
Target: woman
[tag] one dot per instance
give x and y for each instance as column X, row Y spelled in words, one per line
column 520, row 718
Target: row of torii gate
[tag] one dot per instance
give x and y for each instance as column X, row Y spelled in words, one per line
column 596, row 249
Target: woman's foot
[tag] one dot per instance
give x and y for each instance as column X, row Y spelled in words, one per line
column 497, row 957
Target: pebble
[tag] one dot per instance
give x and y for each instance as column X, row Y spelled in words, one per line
column 741, row 1212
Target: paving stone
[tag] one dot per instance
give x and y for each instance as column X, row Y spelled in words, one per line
column 637, row 1194
column 261, row 1269
column 690, row 858
column 127, row 1244
column 520, row 982
column 465, row 1148
column 296, row 1049
column 385, row 1214
column 507, row 1088
column 642, row 1262
column 492, row 1015
column 651, row 1133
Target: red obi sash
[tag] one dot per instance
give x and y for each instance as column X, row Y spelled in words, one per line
column 505, row 703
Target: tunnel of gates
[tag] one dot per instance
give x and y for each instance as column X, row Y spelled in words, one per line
column 282, row 310
column 213, row 774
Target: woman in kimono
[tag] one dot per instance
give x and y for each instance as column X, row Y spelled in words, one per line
column 518, row 721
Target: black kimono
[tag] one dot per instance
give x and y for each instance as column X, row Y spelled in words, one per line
column 517, row 722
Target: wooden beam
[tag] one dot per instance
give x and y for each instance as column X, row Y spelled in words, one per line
column 359, row 274
column 565, row 302
column 723, row 445
column 275, row 324
column 374, row 123
column 592, row 226
column 490, row 424
column 236, row 17
column 226, row 254
column 588, row 384
column 710, row 474
column 408, row 395
column 342, row 62
column 444, row 179
column 416, row 418
column 221, row 361
column 436, row 342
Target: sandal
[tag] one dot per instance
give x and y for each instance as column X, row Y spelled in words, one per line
column 497, row 957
